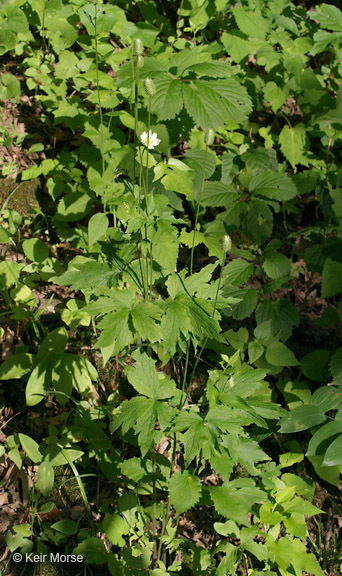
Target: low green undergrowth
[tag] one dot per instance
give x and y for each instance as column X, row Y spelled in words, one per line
column 189, row 376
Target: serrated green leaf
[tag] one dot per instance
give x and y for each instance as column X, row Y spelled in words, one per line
column 217, row 194
column 84, row 275
column 274, row 186
column 237, row 272
column 144, row 378
column 331, row 278
column 167, row 101
column 276, row 265
column 275, row 95
column 328, row 16
column 292, row 144
column 278, row 354
column 185, row 491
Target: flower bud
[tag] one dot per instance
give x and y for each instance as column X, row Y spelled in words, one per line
column 209, row 137
column 137, row 47
column 139, row 62
column 226, row 243
column 149, row 87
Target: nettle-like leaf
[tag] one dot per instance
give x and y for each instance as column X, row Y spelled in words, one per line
column 273, row 186
column 185, row 491
column 168, row 99
column 87, row 274
column 292, row 144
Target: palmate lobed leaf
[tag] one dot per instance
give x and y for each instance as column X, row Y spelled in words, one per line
column 144, row 378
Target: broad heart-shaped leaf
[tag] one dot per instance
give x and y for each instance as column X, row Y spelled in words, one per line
column 16, row 366
column 292, row 144
column 97, row 227
column 167, row 101
column 302, row 418
column 31, row 448
column 278, row 354
column 45, row 478
column 273, row 185
column 331, row 278
column 144, row 378
column 184, row 490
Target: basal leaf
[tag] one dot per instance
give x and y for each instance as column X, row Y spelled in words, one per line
column 302, row 418
column 45, row 478
column 16, row 366
column 31, row 447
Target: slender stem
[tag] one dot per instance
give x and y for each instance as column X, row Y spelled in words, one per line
column 81, row 487
column 179, row 15
column 136, row 83
column 154, row 509
column 197, row 211
column 99, row 98
column 149, row 254
column 212, row 317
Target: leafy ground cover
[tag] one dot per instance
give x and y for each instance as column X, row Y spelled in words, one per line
column 170, row 285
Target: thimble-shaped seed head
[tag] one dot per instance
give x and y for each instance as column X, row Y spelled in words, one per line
column 149, row 87
column 209, row 137
column 139, row 61
column 226, row 243
column 137, row 47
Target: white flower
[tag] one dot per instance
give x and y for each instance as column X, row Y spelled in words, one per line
column 150, row 140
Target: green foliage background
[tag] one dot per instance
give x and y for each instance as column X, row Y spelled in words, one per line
column 205, row 274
